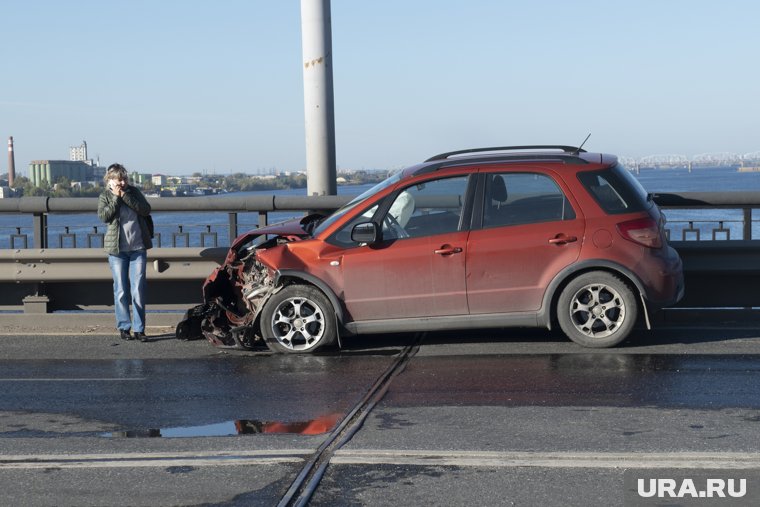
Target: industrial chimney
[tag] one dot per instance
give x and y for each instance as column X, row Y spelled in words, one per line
column 11, row 162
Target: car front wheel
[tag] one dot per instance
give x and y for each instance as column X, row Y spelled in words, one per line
column 597, row 309
column 298, row 319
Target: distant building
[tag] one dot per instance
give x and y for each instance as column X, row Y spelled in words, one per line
column 159, row 180
column 98, row 172
column 79, row 185
column 140, row 178
column 52, row 170
column 6, row 192
column 78, row 153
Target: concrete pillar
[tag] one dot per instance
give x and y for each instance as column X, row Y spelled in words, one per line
column 318, row 97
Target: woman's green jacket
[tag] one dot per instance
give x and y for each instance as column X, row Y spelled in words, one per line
column 108, row 212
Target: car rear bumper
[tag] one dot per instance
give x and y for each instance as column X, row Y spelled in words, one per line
column 667, row 287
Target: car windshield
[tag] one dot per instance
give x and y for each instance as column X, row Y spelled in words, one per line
column 327, row 222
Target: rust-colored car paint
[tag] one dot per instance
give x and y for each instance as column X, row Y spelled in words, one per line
column 473, row 271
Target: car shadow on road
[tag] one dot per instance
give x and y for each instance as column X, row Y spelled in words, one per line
column 668, row 335
column 542, row 340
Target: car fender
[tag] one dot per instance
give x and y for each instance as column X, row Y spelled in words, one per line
column 545, row 313
column 313, row 280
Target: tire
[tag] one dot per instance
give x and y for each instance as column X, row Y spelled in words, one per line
column 597, row 309
column 299, row 319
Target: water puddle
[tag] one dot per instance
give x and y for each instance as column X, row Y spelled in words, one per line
column 316, row 426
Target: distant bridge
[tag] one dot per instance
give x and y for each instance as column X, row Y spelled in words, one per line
column 675, row 161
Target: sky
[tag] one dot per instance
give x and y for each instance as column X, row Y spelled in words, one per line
column 184, row 86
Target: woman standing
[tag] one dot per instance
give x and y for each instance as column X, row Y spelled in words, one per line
column 123, row 207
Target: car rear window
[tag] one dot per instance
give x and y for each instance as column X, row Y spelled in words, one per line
column 616, row 190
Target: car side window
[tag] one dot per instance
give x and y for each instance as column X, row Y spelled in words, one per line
column 523, row 198
column 426, row 209
column 343, row 236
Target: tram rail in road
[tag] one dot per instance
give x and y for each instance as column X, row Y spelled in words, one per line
column 308, row 479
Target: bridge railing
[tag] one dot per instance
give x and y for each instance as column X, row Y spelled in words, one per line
column 716, row 234
column 83, row 229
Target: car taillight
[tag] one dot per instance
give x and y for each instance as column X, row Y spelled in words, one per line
column 643, row 231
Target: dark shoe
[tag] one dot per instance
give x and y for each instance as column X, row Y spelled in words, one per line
column 124, row 334
column 141, row 336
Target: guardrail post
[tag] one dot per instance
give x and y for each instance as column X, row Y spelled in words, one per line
column 263, row 219
column 67, row 235
column 21, row 237
column 39, row 226
column 747, row 224
column 36, row 304
column 95, row 234
column 233, row 217
column 181, row 234
column 208, row 234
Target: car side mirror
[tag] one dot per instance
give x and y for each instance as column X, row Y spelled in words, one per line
column 367, row 232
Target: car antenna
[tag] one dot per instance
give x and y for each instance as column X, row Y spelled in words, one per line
column 581, row 146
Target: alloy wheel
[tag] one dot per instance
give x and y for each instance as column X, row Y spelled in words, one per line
column 597, row 310
column 298, row 323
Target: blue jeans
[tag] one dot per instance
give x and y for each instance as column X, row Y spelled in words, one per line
column 128, row 269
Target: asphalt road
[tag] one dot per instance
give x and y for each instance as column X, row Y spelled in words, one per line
column 494, row 418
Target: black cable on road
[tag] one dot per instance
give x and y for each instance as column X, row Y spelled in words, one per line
column 311, row 474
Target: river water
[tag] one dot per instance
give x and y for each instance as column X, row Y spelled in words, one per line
column 197, row 225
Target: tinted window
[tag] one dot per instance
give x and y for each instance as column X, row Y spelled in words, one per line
column 426, row 209
column 523, row 198
column 616, row 190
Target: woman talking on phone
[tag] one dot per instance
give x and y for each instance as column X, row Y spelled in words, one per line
column 123, row 207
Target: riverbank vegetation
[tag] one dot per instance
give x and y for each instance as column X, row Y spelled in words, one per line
column 184, row 185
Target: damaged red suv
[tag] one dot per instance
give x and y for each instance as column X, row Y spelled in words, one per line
column 526, row 236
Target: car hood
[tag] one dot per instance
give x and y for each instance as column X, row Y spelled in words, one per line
column 293, row 227
column 291, row 230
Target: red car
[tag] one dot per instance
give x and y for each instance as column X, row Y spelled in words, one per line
column 528, row 236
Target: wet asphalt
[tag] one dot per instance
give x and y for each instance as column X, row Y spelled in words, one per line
column 510, row 417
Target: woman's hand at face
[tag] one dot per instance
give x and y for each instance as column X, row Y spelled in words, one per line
column 117, row 187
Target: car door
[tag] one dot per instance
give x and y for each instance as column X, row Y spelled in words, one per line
column 529, row 231
column 417, row 269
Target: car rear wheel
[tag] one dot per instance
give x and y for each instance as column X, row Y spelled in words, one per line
column 298, row 319
column 597, row 309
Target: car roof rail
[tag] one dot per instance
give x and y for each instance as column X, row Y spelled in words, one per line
column 566, row 149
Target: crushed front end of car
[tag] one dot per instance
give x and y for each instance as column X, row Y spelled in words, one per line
column 235, row 292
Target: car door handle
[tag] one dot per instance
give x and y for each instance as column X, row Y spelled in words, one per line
column 448, row 250
column 561, row 239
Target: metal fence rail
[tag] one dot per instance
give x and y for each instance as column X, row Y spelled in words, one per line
column 41, row 207
column 734, row 219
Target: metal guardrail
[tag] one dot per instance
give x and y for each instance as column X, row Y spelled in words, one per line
column 41, row 207
column 721, row 273
column 47, row 280
column 737, row 227
column 89, row 264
